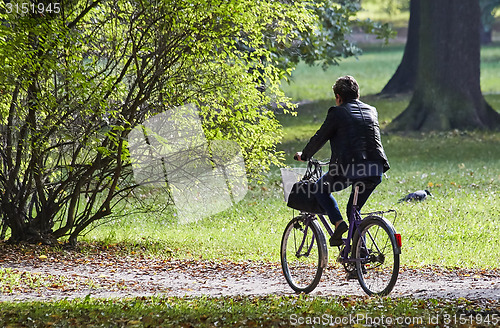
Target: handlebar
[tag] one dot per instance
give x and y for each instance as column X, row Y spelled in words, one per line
column 314, row 161
column 311, row 160
column 313, row 170
column 319, row 162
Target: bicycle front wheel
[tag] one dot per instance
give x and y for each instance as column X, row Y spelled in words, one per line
column 376, row 248
column 304, row 253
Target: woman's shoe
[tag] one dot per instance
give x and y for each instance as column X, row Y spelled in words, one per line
column 336, row 239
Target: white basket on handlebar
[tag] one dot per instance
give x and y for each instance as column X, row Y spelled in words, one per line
column 289, row 176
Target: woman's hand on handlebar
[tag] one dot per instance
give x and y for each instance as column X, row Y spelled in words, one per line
column 298, row 156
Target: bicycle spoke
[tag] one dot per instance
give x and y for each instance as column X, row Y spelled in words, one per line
column 302, row 254
column 373, row 240
column 378, row 270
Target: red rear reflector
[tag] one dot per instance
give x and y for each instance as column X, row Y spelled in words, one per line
column 398, row 239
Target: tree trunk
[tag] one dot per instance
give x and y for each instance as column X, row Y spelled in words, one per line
column 447, row 92
column 404, row 79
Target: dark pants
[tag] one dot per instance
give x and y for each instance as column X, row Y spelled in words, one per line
column 330, row 183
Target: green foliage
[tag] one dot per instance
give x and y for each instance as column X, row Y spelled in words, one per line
column 76, row 82
column 326, row 42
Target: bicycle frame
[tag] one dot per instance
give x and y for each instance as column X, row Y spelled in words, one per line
column 354, row 221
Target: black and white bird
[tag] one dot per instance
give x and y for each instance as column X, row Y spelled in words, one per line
column 418, row 195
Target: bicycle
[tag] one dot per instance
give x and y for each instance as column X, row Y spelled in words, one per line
column 370, row 252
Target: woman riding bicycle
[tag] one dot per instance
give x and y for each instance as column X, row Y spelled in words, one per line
column 358, row 157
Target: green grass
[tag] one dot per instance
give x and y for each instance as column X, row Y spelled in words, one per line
column 372, row 70
column 249, row 230
column 494, row 101
column 456, row 227
column 381, row 13
column 490, row 66
column 269, row 311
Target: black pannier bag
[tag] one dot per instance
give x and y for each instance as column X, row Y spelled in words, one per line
column 302, row 198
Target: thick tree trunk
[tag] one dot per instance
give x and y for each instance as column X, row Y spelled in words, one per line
column 404, row 79
column 447, row 92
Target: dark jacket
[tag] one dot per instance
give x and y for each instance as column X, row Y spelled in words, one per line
column 354, row 134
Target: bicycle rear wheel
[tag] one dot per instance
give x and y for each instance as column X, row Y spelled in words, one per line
column 375, row 244
column 304, row 253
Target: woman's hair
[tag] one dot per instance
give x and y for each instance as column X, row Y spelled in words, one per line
column 347, row 88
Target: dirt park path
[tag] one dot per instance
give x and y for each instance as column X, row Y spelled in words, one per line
column 106, row 274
